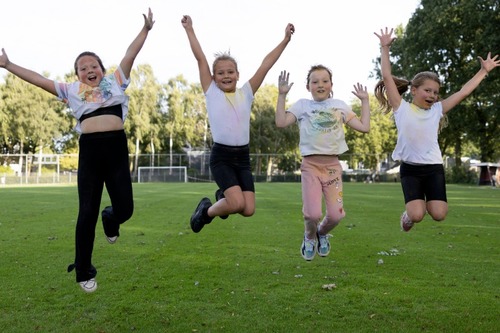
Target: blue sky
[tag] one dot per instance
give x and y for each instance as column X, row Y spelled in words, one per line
column 46, row 36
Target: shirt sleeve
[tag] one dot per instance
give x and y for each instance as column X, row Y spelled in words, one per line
column 62, row 90
column 120, row 78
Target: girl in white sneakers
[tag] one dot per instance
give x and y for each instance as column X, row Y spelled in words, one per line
column 321, row 122
column 100, row 105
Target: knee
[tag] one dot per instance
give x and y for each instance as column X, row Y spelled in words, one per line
column 248, row 212
column 332, row 221
column 438, row 216
column 124, row 213
column 437, row 211
column 236, row 205
column 416, row 216
column 311, row 217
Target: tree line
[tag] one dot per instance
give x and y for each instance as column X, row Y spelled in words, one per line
column 443, row 36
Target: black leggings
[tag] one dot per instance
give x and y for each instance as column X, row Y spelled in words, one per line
column 103, row 159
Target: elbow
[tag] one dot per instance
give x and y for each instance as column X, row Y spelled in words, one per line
column 280, row 123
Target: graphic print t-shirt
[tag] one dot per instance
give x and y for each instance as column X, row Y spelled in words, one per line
column 321, row 126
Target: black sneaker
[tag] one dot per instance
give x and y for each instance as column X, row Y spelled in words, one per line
column 220, row 195
column 200, row 217
column 110, row 229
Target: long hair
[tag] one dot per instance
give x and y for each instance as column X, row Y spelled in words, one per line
column 403, row 85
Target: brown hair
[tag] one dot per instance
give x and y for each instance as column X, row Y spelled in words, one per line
column 319, row 68
column 88, row 53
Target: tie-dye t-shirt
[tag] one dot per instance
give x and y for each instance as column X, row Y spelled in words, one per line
column 229, row 114
column 418, row 134
column 321, row 126
column 83, row 99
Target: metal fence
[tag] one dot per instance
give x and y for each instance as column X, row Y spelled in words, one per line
column 24, row 169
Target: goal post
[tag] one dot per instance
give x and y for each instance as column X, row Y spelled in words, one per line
column 162, row 174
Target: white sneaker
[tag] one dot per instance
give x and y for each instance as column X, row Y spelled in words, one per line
column 406, row 223
column 323, row 245
column 308, row 249
column 89, row 285
column 112, row 240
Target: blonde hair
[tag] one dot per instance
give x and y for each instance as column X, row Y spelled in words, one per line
column 403, row 85
column 221, row 56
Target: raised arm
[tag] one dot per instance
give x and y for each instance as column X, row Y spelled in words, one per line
column 486, row 66
column 283, row 118
column 27, row 74
column 271, row 59
column 203, row 67
column 361, row 124
column 393, row 95
column 136, row 45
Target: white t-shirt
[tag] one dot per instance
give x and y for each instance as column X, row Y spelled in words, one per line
column 321, row 126
column 83, row 99
column 418, row 134
column 229, row 114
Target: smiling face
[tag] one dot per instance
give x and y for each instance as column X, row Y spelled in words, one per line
column 320, row 85
column 426, row 94
column 89, row 70
column 226, row 75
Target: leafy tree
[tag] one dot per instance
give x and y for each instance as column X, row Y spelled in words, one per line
column 144, row 118
column 186, row 121
column 447, row 36
column 34, row 116
column 370, row 148
column 265, row 137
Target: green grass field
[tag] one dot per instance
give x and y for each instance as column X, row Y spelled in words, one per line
column 246, row 274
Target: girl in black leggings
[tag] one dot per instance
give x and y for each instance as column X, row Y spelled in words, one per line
column 99, row 103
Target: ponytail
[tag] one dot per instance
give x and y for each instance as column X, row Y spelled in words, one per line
column 381, row 94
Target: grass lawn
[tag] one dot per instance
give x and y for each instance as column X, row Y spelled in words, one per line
column 246, row 274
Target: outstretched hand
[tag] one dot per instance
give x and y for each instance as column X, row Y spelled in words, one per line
column 489, row 63
column 385, row 37
column 283, row 86
column 4, row 60
column 360, row 91
column 148, row 20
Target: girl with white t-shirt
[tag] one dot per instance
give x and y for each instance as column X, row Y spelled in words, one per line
column 418, row 124
column 321, row 122
column 99, row 104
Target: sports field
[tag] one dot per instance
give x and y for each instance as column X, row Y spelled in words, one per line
column 246, row 274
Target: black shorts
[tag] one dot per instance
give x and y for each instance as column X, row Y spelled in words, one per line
column 230, row 166
column 424, row 182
